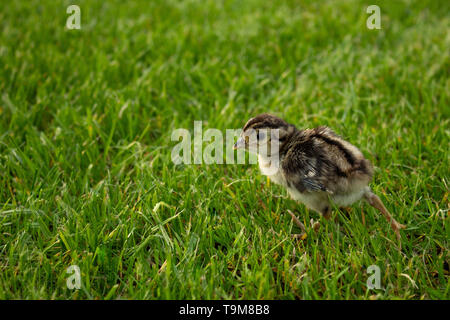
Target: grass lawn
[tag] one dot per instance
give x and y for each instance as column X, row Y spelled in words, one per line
column 86, row 176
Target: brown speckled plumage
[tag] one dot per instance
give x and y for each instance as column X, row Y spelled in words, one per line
column 317, row 166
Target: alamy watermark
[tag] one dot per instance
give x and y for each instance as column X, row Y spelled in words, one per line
column 374, row 20
column 262, row 145
column 74, row 20
column 74, row 280
column 374, row 281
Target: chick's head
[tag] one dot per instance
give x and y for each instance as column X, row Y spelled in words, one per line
column 264, row 135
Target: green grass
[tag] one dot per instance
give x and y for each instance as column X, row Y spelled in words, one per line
column 86, row 176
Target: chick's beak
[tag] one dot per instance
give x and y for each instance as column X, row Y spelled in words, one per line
column 240, row 143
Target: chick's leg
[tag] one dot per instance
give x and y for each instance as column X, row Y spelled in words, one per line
column 375, row 202
column 326, row 212
column 298, row 223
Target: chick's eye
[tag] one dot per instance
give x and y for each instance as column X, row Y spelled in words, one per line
column 260, row 135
